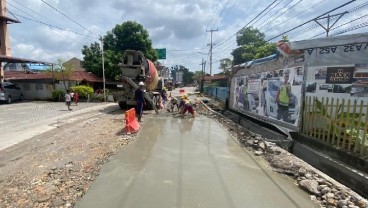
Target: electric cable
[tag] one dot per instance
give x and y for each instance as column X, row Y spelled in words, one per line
column 268, row 11
column 245, row 25
column 311, row 20
column 59, row 28
column 319, row 34
column 315, row 25
column 288, row 20
column 43, row 16
column 275, row 18
column 67, row 17
column 361, row 25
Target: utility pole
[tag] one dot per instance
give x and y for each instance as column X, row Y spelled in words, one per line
column 203, row 69
column 211, row 46
column 328, row 17
column 103, row 69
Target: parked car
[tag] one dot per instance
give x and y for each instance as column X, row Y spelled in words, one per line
column 10, row 92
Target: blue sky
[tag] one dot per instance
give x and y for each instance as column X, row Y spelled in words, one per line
column 48, row 29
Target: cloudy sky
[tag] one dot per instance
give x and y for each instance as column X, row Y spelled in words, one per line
column 59, row 28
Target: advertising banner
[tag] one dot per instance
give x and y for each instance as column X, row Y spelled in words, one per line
column 274, row 94
column 344, row 81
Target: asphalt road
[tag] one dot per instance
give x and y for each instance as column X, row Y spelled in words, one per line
column 23, row 120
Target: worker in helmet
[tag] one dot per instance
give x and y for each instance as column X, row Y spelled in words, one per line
column 187, row 106
column 139, row 98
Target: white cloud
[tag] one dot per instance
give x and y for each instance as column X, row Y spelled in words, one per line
column 179, row 26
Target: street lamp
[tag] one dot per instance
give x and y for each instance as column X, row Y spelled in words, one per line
column 103, row 69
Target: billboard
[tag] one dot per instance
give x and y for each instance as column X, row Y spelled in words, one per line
column 274, row 95
column 338, row 81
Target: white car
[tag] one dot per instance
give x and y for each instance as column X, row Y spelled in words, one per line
column 270, row 106
column 10, row 92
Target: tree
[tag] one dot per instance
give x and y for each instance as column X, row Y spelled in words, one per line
column 250, row 36
column 129, row 35
column 252, row 45
column 187, row 75
column 62, row 71
column 225, row 65
column 198, row 75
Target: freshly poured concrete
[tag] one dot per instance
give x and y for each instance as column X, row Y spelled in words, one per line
column 189, row 163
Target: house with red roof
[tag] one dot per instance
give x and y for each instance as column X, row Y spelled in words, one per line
column 39, row 85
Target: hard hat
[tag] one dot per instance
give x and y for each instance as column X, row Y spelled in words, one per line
column 141, row 84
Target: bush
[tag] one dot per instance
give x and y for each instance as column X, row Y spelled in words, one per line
column 58, row 95
column 96, row 97
column 83, row 91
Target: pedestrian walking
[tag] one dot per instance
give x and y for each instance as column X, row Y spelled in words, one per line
column 139, row 98
column 76, row 98
column 68, row 99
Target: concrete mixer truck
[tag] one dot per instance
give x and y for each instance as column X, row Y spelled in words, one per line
column 135, row 68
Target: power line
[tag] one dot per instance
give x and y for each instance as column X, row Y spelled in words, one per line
column 288, row 20
column 287, row 10
column 269, row 11
column 209, row 22
column 67, row 17
column 315, row 25
column 361, row 25
column 31, row 11
column 59, row 28
column 311, row 20
column 223, row 9
column 213, row 13
column 319, row 34
column 246, row 24
column 228, row 12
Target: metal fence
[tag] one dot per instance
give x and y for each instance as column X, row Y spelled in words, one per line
column 342, row 123
column 220, row 93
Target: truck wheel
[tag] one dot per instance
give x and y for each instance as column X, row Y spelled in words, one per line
column 148, row 106
column 123, row 105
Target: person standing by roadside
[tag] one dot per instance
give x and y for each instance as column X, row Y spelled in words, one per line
column 68, row 99
column 139, row 98
column 76, row 98
column 72, row 96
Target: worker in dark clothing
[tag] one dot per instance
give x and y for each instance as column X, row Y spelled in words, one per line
column 139, row 98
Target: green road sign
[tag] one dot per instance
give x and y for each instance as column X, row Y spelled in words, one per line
column 161, row 52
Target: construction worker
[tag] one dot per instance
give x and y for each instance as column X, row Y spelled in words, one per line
column 187, row 106
column 283, row 98
column 173, row 103
column 181, row 103
column 139, row 98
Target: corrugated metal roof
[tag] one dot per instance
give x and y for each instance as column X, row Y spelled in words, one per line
column 9, row 20
column 215, row 77
column 76, row 76
column 11, row 59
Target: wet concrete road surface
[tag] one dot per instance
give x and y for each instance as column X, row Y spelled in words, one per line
column 189, row 163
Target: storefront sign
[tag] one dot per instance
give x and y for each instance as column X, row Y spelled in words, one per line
column 339, row 75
